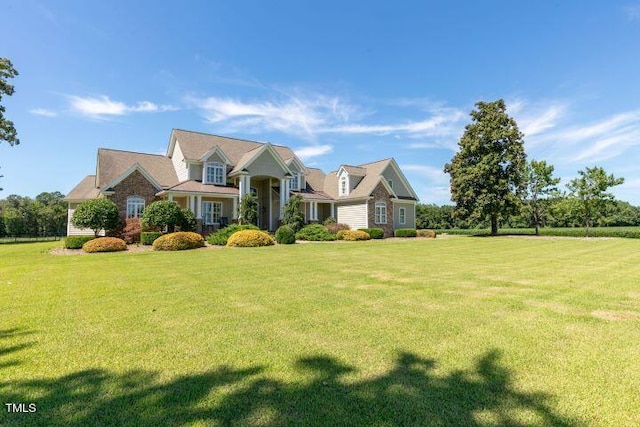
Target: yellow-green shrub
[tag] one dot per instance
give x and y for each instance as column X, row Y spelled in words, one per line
column 352, row 235
column 426, row 233
column 179, row 241
column 104, row 244
column 250, row 239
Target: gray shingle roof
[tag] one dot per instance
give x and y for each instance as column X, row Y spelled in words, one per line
column 85, row 190
column 113, row 163
column 198, row 187
column 373, row 172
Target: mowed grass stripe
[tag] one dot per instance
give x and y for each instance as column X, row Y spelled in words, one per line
column 457, row 329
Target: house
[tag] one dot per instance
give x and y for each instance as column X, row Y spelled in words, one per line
column 209, row 174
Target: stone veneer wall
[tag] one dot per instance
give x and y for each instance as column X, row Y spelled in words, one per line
column 133, row 185
column 380, row 194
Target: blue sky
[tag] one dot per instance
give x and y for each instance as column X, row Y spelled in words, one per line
column 339, row 82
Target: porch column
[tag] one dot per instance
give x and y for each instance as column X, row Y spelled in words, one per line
column 282, row 197
column 333, row 213
column 314, row 211
column 270, row 207
column 234, row 214
column 199, row 206
column 170, row 197
column 192, row 204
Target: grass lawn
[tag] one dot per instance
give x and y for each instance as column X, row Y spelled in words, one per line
column 453, row 331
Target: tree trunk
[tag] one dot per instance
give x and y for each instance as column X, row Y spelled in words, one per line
column 494, row 224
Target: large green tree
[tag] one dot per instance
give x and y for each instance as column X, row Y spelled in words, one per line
column 591, row 189
column 540, row 182
column 96, row 214
column 163, row 213
column 487, row 174
column 7, row 130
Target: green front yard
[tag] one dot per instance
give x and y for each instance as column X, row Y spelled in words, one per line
column 451, row 331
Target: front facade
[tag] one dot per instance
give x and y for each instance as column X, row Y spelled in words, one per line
column 209, row 174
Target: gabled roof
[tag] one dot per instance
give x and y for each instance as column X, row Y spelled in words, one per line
column 136, row 167
column 215, row 150
column 315, row 179
column 195, row 144
column 313, row 195
column 372, row 177
column 198, row 187
column 248, row 158
column 112, row 164
column 85, row 190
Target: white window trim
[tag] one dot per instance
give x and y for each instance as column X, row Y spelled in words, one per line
column 134, row 202
column 380, row 213
column 390, row 182
column 402, row 216
column 215, row 165
column 344, row 186
column 295, row 178
column 208, row 213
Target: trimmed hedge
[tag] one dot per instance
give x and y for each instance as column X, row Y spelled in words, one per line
column 76, row 242
column 426, row 233
column 285, row 235
column 179, row 241
column 250, row 239
column 375, row 233
column 334, row 227
column 148, row 237
column 105, row 244
column 623, row 232
column 352, row 235
column 405, row 232
column 315, row 232
column 221, row 236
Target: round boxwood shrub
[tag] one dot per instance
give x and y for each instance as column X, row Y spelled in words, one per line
column 352, row 235
column 178, row 241
column 250, row 239
column 375, row 233
column 315, row 232
column 105, row 244
column 221, row 236
column 285, row 235
column 76, row 242
column 426, row 233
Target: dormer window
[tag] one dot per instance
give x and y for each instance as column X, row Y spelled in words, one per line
column 343, row 186
column 214, row 173
column 294, row 183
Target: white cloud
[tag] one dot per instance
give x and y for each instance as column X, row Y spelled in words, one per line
column 43, row 112
column 313, row 151
column 312, row 115
column 101, row 107
column 433, row 174
column 536, row 123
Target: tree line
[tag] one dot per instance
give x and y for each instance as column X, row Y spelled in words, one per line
column 21, row 216
column 493, row 184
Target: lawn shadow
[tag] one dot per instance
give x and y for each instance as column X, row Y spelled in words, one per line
column 409, row 393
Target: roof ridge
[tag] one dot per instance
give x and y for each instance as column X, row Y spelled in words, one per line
column 233, row 138
column 377, row 161
column 131, row 152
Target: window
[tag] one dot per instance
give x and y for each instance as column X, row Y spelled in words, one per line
column 211, row 212
column 214, row 173
column 402, row 216
column 343, row 185
column 381, row 213
column 390, row 182
column 294, row 183
column 135, row 206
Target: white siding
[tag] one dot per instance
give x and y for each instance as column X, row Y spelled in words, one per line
column 179, row 164
column 74, row 231
column 355, row 216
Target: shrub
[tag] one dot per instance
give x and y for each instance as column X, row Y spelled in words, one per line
column 375, row 233
column 188, row 222
column 405, row 232
column 334, row 227
column 329, row 220
column 148, row 237
column 105, row 244
column 315, row 232
column 76, row 242
column 248, row 210
column 250, row 239
column 221, row 236
column 131, row 231
column 426, row 233
column 179, row 241
column 285, row 235
column 96, row 214
column 352, row 235
column 291, row 215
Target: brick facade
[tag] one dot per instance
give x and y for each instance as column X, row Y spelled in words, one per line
column 133, row 185
column 380, row 194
